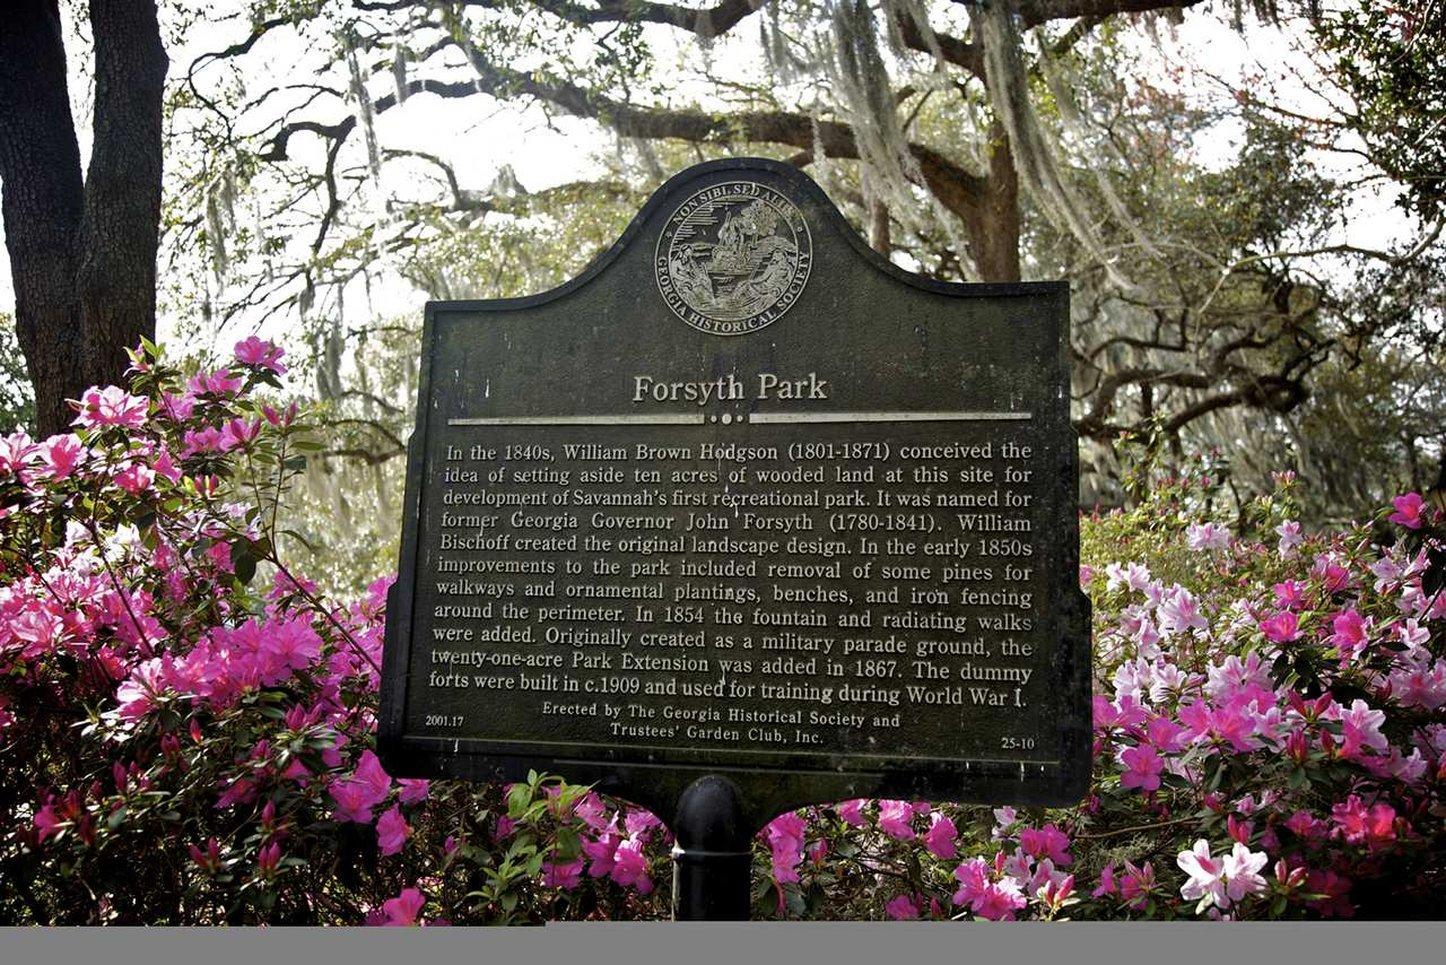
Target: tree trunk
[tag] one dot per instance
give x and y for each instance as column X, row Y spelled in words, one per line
column 82, row 253
column 879, row 239
column 42, row 202
column 997, row 257
column 120, row 227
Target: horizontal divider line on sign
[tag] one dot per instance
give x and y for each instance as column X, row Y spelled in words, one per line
column 888, row 416
column 700, row 418
column 987, row 762
column 654, row 419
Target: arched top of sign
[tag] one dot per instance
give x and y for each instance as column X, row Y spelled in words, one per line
column 764, row 264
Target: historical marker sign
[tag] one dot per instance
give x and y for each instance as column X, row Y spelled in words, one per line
column 744, row 499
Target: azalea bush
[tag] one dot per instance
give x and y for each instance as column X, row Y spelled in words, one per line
column 186, row 724
column 1270, row 739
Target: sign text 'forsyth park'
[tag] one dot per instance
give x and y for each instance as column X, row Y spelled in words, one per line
column 745, row 499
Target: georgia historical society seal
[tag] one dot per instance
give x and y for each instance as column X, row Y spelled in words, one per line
column 733, row 258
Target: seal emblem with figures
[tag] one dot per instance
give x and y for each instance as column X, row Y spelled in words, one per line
column 733, row 258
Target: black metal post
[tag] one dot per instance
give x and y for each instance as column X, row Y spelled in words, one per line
column 713, row 854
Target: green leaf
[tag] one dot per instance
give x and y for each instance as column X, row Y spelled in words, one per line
column 517, row 800
column 569, row 845
column 244, row 561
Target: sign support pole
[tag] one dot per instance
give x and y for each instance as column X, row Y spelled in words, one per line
column 713, row 854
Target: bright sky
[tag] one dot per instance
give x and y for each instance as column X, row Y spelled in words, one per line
column 480, row 135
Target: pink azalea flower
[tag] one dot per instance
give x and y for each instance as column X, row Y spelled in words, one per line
column 357, row 795
column 1350, row 633
column 291, row 644
column 1134, row 576
column 178, row 408
column 111, row 406
column 1387, row 573
column 1361, row 727
column 414, row 790
column 641, row 823
column 38, row 627
column 591, row 811
column 1046, row 842
column 1234, row 677
column 137, row 694
column 240, row 791
column 135, row 479
column 1242, row 872
column 17, row 451
column 973, row 876
column 1417, row 681
column 268, row 859
column 902, row 908
column 1207, row 537
column 1055, row 893
column 1207, row 876
column 785, row 835
column 940, row 837
column 1290, row 538
column 1290, row 594
column 999, row 900
column 1408, row 510
column 369, row 769
column 61, row 454
column 1179, row 612
column 237, row 433
column 166, row 467
column 1412, row 634
column 1107, row 884
column 1136, row 884
column 403, row 909
column 895, row 819
column 1374, row 826
column 1142, row 768
column 1125, row 713
column 567, row 875
column 1336, row 889
column 198, row 441
column 1333, row 575
column 259, row 353
column 283, row 417
column 630, row 867
column 46, row 821
column 601, row 853
column 219, row 383
column 1165, row 734
column 208, row 860
column 1236, row 723
column 1004, row 819
column 1283, row 627
column 1305, row 825
column 392, row 831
